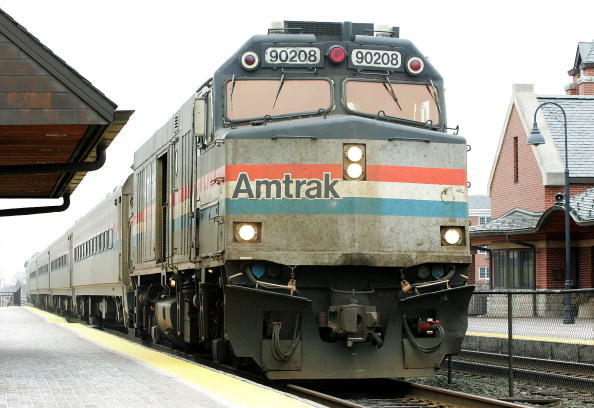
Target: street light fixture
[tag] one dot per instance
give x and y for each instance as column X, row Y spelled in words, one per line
column 536, row 138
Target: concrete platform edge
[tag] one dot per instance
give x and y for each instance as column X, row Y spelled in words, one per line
column 224, row 388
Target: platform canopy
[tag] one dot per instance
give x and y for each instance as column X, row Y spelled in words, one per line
column 51, row 119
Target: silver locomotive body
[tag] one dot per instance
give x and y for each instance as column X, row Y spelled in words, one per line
column 273, row 250
column 304, row 211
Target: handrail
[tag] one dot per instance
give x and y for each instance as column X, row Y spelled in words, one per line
column 532, row 291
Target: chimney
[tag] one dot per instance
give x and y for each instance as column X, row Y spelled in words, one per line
column 582, row 71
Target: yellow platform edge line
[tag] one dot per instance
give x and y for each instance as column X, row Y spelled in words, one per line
column 532, row 338
column 232, row 390
column 50, row 317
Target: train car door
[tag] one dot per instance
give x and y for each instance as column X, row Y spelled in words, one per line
column 162, row 206
column 201, row 134
column 70, row 259
column 183, row 184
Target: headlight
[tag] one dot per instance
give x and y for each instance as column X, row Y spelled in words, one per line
column 354, row 161
column 355, row 153
column 452, row 236
column 247, row 232
column 354, row 170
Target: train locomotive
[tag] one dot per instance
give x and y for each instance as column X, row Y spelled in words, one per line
column 304, row 213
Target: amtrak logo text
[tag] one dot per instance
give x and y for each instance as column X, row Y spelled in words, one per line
column 286, row 188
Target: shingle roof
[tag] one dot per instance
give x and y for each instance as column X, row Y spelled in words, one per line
column 479, row 202
column 582, row 206
column 586, row 50
column 515, row 220
column 580, row 131
column 519, row 220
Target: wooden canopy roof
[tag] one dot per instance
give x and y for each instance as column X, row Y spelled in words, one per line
column 51, row 119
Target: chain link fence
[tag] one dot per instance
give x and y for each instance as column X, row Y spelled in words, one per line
column 541, row 337
column 10, row 298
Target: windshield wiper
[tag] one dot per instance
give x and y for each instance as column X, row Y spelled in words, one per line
column 232, row 90
column 433, row 92
column 278, row 91
column 390, row 90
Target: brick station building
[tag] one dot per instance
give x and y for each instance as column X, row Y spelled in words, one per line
column 525, row 238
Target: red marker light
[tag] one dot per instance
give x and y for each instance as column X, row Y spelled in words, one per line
column 249, row 60
column 337, row 54
column 415, row 66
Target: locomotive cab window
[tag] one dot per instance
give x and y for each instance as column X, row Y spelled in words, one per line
column 250, row 99
column 409, row 101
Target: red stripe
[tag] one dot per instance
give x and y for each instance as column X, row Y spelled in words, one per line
column 394, row 174
column 420, row 175
column 277, row 171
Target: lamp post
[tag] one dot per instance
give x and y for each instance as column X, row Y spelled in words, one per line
column 535, row 139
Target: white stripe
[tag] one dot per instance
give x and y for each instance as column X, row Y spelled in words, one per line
column 380, row 189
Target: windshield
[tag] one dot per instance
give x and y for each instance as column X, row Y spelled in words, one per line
column 257, row 98
column 415, row 102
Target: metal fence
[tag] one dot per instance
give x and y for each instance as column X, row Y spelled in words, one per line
column 10, row 298
column 538, row 338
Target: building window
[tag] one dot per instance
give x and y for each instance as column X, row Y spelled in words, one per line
column 513, row 268
column 515, row 159
column 484, row 220
column 484, row 273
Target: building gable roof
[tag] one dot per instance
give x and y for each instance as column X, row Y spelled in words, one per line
column 584, row 57
column 525, row 103
column 580, row 131
column 550, row 156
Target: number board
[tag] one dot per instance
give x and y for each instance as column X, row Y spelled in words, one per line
column 376, row 59
column 292, row 57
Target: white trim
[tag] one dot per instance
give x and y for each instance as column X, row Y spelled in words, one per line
column 500, row 144
column 479, row 212
column 487, row 270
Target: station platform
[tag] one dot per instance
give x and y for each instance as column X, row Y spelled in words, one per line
column 536, row 337
column 47, row 362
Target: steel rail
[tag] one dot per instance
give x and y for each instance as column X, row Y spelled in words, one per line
column 455, row 398
column 399, row 393
column 322, row 398
column 555, row 366
column 567, row 380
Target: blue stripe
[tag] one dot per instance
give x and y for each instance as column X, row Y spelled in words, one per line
column 351, row 205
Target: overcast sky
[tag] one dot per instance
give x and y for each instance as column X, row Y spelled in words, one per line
column 150, row 56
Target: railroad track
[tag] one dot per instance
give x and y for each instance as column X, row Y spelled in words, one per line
column 389, row 393
column 571, row 375
column 386, row 393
